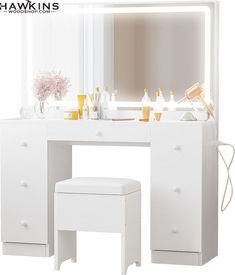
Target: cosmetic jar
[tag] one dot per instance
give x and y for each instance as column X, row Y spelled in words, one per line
column 71, row 114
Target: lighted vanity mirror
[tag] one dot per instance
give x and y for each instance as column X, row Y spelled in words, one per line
column 124, row 48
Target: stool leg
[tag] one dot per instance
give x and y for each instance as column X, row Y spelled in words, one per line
column 124, row 262
column 65, row 247
column 131, row 231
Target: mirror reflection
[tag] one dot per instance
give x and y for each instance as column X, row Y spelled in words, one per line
column 157, row 50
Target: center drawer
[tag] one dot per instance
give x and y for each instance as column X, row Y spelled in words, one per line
column 99, row 131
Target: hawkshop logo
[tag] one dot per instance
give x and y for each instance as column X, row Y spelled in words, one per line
column 29, row 7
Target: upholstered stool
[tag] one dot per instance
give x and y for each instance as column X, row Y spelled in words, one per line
column 98, row 205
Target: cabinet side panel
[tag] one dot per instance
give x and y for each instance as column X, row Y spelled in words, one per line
column 210, row 194
column 59, row 168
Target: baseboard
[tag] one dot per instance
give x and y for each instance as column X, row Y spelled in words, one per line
column 23, row 249
column 176, row 257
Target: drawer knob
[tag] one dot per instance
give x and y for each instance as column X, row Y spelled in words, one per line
column 99, row 134
column 24, row 184
column 24, row 144
column 23, row 223
column 176, row 147
column 175, row 231
column 176, row 189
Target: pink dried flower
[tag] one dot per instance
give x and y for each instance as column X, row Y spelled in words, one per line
column 50, row 84
column 43, row 86
column 61, row 86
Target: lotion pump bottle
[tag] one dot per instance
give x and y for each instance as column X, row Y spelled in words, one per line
column 146, row 101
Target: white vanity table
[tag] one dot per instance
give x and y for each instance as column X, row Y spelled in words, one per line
column 184, row 213
column 35, row 154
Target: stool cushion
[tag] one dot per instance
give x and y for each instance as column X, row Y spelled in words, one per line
column 106, row 186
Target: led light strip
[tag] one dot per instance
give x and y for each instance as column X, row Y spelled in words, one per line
column 29, row 58
column 113, row 10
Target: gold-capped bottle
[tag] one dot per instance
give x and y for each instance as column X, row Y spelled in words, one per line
column 158, row 107
column 146, row 102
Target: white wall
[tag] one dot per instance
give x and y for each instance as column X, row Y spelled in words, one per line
column 98, row 253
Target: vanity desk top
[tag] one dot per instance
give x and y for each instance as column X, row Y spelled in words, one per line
column 104, row 130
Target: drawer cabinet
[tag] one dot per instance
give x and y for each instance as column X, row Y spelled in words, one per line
column 24, row 183
column 176, row 188
column 183, row 193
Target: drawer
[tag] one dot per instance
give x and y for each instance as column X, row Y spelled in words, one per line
column 24, row 216
column 99, row 131
column 24, row 151
column 176, row 188
column 23, row 143
column 24, row 191
column 175, row 218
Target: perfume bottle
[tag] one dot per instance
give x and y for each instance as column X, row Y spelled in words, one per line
column 146, row 101
column 172, row 103
column 161, row 96
column 104, row 103
column 158, row 107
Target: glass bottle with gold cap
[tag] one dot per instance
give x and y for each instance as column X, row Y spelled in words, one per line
column 158, row 107
column 161, row 96
column 146, row 101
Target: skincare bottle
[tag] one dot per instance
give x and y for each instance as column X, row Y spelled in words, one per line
column 158, row 107
column 104, row 104
column 172, row 103
column 146, row 101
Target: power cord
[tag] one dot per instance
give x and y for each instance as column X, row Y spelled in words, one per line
column 228, row 181
column 228, row 166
